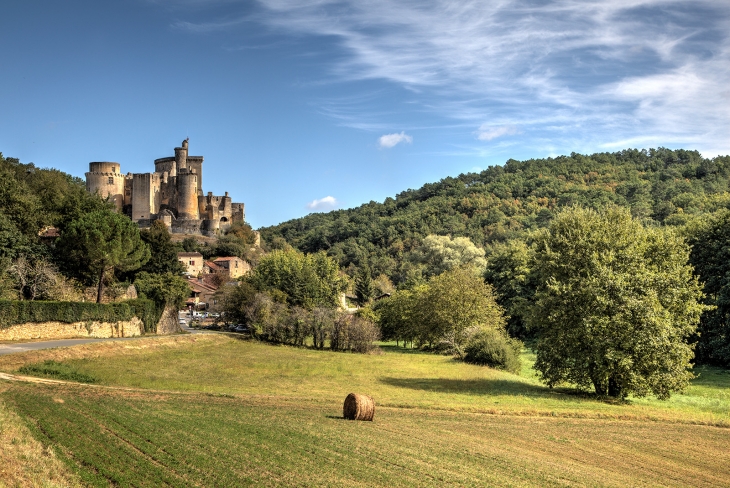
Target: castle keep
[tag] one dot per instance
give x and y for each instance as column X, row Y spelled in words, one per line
column 172, row 194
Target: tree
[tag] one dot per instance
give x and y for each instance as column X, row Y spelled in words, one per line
column 508, row 271
column 167, row 289
column 441, row 253
column 364, row 286
column 307, row 280
column 100, row 242
column 614, row 306
column 711, row 258
column 397, row 315
column 456, row 305
column 35, row 278
column 163, row 253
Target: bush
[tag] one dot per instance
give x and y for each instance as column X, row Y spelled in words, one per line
column 353, row 333
column 492, row 347
column 147, row 311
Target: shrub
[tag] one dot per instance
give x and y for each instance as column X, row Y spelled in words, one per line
column 147, row 311
column 353, row 333
column 492, row 347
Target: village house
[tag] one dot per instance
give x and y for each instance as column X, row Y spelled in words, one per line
column 201, row 294
column 233, row 267
column 193, row 262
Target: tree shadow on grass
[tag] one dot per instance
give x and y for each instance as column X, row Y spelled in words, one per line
column 711, row 376
column 402, row 350
column 485, row 387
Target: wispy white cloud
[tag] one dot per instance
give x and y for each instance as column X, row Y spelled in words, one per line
column 560, row 70
column 391, row 140
column 488, row 132
column 322, row 204
column 593, row 68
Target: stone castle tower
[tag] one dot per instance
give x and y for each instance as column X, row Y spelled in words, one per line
column 172, row 194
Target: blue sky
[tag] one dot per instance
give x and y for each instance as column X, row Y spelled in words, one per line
column 301, row 106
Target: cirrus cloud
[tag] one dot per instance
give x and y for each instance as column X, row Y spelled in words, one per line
column 574, row 72
column 391, row 140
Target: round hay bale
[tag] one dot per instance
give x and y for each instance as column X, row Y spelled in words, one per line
column 358, row 407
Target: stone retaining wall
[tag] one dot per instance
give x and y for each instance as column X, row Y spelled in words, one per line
column 62, row 330
column 169, row 322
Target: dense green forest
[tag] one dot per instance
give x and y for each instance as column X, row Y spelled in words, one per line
column 506, row 202
column 496, row 217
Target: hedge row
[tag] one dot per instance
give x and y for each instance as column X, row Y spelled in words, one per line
column 20, row 312
column 147, row 311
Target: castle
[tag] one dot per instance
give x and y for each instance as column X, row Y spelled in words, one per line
column 172, row 194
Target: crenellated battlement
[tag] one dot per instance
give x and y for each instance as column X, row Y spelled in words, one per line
column 173, row 194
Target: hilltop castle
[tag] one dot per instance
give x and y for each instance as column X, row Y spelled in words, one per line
column 172, row 194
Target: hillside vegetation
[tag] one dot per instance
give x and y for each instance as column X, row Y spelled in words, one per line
column 502, row 203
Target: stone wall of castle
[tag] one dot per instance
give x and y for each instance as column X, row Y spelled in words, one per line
column 173, row 193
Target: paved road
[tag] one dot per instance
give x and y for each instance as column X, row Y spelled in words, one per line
column 34, row 346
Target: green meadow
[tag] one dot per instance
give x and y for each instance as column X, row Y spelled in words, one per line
column 213, row 410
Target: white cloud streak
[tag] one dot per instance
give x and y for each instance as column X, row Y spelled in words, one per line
column 322, row 204
column 487, row 132
column 560, row 70
column 391, row 140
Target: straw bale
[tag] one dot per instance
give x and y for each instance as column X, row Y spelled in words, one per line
column 358, row 407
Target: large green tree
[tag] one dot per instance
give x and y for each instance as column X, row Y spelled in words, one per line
column 615, row 304
column 98, row 243
column 508, row 271
column 457, row 304
column 307, row 280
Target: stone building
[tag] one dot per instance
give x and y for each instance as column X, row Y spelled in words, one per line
column 193, row 262
column 172, row 194
column 233, row 267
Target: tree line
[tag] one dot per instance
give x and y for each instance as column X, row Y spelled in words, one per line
column 503, row 209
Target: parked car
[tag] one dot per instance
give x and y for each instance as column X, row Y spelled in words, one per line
column 241, row 328
column 183, row 322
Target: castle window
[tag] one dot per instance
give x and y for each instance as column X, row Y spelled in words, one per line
column 111, row 180
column 192, row 263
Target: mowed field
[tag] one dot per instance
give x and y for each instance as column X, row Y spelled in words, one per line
column 209, row 410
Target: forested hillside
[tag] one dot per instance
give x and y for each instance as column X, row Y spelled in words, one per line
column 32, row 198
column 502, row 203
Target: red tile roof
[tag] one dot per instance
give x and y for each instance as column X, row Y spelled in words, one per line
column 214, row 266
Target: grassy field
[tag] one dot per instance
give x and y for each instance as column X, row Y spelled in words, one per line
column 216, row 411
